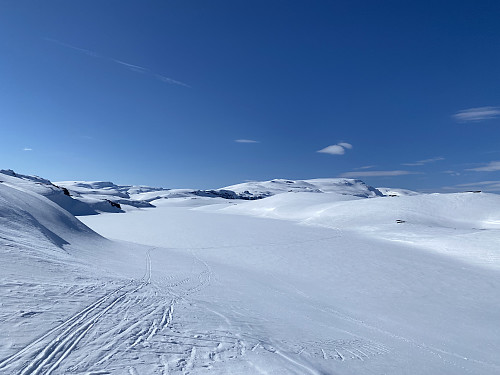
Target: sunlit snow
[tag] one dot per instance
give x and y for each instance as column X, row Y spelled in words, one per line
column 324, row 276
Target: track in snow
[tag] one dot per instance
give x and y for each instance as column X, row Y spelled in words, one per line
column 108, row 335
column 45, row 354
column 132, row 329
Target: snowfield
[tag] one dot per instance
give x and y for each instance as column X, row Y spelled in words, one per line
column 325, row 276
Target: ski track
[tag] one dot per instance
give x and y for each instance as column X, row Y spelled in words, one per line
column 133, row 318
column 133, row 328
column 45, row 354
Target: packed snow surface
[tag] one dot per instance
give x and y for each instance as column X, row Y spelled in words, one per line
column 346, row 281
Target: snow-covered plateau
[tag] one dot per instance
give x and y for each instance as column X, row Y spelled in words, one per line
column 323, row 276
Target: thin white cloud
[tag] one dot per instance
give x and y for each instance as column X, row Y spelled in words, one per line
column 492, row 186
column 132, row 67
column 246, row 141
column 170, row 80
column 492, row 166
column 376, row 173
column 83, row 50
column 366, row 167
column 27, row 149
column 422, row 162
column 482, row 183
column 333, row 150
column 477, row 114
column 338, row 149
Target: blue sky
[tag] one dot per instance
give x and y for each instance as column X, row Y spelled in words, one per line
column 397, row 93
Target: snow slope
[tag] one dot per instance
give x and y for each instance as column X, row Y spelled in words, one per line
column 37, row 216
column 296, row 283
column 59, row 195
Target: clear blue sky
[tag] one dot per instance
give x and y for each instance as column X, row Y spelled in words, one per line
column 159, row 92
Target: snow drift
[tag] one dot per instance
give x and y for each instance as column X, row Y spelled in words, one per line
column 33, row 218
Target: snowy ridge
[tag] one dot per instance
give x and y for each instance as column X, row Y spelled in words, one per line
column 256, row 190
column 99, row 192
column 76, row 205
column 344, row 186
column 143, row 196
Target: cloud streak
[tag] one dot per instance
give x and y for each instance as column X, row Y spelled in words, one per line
column 245, row 141
column 365, row 167
column 422, row 162
column 376, row 173
column 477, row 114
column 27, row 149
column 492, row 166
column 493, row 186
column 132, row 67
column 338, row 149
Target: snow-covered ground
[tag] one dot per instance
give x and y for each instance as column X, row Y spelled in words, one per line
column 318, row 279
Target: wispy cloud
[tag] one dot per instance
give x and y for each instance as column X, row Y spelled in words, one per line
column 27, row 149
column 338, row 149
column 365, row 167
column 477, row 114
column 129, row 66
column 170, row 80
column 376, row 173
column 422, row 162
column 480, row 183
column 246, row 141
column 493, row 186
column 492, row 166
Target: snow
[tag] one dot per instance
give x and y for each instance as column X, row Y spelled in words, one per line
column 462, row 225
column 392, row 192
column 319, row 281
column 319, row 185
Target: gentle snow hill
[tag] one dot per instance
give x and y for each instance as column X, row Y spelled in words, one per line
column 342, row 186
column 455, row 210
column 461, row 225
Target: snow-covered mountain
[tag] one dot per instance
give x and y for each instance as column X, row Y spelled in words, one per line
column 95, row 193
column 344, row 186
column 143, row 196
